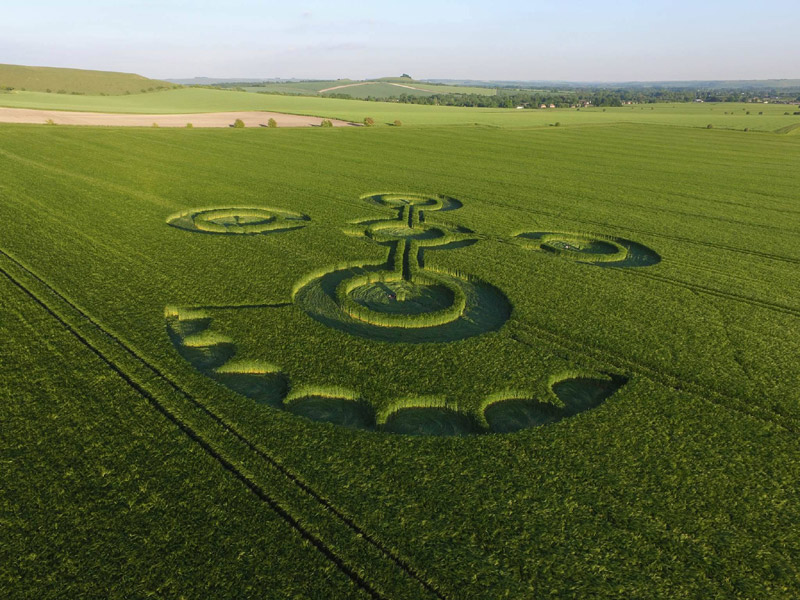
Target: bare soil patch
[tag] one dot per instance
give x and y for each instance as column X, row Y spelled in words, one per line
column 220, row 119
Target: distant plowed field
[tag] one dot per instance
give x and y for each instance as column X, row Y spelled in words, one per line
column 223, row 119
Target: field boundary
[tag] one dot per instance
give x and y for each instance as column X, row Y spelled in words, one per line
column 307, row 495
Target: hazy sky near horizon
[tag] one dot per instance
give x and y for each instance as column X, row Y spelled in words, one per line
column 579, row 41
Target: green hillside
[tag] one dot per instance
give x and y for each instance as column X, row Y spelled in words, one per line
column 76, row 81
column 380, row 89
column 385, row 87
column 388, row 89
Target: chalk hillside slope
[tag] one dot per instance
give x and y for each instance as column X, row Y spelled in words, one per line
column 76, row 81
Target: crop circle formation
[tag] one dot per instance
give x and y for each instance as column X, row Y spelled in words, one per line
column 237, row 221
column 400, row 300
column 601, row 251
column 214, row 356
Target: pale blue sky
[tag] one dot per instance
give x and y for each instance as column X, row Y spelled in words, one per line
column 577, row 41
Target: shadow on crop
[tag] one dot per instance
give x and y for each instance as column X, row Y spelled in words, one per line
column 577, row 395
column 345, row 412
column 430, row 421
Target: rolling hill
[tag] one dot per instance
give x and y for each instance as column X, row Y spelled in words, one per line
column 76, row 81
column 385, row 87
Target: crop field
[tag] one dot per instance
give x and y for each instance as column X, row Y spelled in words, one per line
column 75, row 81
column 187, row 100
column 362, row 89
column 354, row 90
column 415, row 362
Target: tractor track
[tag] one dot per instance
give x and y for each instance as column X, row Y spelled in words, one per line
column 289, row 477
column 603, row 355
column 696, row 287
column 260, row 493
column 693, row 287
column 667, row 236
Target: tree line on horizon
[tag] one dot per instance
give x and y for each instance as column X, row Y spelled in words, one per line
column 506, row 98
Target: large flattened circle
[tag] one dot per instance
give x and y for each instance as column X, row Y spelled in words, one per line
column 237, row 220
column 486, row 309
column 598, row 250
column 420, row 201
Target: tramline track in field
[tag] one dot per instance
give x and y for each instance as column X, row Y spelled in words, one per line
column 605, row 226
column 694, row 287
column 301, row 492
column 696, row 389
column 702, row 289
column 208, row 448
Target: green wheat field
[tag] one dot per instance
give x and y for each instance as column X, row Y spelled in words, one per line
column 511, row 360
column 737, row 116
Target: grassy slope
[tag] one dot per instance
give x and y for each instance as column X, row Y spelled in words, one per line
column 440, row 88
column 103, row 498
column 43, row 79
column 205, row 100
column 659, row 493
column 377, row 89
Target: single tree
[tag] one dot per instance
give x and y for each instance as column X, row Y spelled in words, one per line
column 238, row 124
column 272, row 123
column 189, row 126
column 369, row 121
column 398, row 123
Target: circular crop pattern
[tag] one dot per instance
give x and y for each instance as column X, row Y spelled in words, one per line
column 602, row 251
column 390, row 231
column 266, row 384
column 402, row 299
column 420, row 201
column 381, row 305
column 416, row 306
column 398, row 296
column 237, row 221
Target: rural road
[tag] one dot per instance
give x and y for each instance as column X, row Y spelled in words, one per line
column 220, row 119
